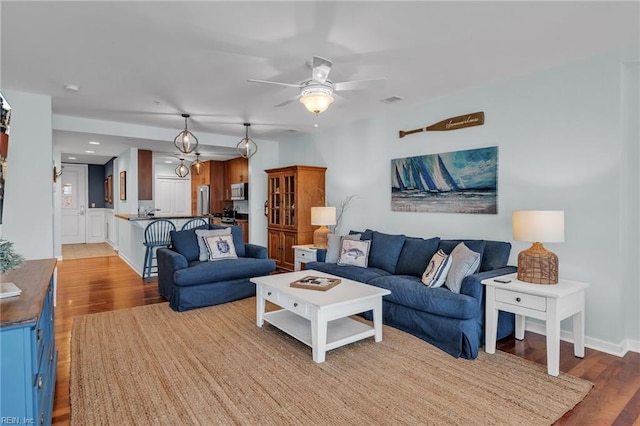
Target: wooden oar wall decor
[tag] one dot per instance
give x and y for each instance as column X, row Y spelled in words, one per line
column 453, row 123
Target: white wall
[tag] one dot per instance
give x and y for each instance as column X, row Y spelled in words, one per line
column 28, row 206
column 267, row 157
column 560, row 147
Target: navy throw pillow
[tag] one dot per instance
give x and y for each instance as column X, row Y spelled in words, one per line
column 186, row 243
column 495, row 256
column 385, row 251
column 364, row 235
column 236, row 233
column 415, row 255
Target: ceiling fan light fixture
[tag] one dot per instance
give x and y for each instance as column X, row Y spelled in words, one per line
column 186, row 142
column 182, row 170
column 197, row 165
column 316, row 98
column 246, row 147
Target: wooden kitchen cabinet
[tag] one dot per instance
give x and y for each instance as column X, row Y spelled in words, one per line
column 238, row 170
column 145, row 175
column 217, row 185
column 244, row 224
column 291, row 192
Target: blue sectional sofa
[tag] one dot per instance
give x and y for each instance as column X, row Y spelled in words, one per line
column 453, row 322
column 188, row 283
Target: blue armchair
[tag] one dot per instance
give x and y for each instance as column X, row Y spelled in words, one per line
column 188, row 283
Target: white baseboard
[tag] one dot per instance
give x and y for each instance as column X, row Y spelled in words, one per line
column 59, row 258
column 619, row 349
column 130, row 263
column 631, row 345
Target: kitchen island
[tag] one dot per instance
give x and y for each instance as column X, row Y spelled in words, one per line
column 131, row 235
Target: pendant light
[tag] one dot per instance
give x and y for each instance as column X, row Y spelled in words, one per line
column 197, row 165
column 182, row 170
column 186, row 142
column 247, row 147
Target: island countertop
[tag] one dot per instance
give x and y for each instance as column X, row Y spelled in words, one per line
column 134, row 217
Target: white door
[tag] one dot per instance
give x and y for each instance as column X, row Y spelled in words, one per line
column 164, row 195
column 173, row 196
column 182, row 197
column 74, row 196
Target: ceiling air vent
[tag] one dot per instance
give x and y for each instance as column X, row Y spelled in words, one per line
column 392, row 99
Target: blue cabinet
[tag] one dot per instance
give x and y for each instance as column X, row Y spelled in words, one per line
column 28, row 356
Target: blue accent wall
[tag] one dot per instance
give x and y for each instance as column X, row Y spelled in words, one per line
column 96, row 186
column 108, row 170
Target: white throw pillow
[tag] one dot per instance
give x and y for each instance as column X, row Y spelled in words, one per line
column 201, row 234
column 464, row 262
column 436, row 272
column 221, row 247
column 354, row 252
column 334, row 243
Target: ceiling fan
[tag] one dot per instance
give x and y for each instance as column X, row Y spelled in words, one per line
column 316, row 93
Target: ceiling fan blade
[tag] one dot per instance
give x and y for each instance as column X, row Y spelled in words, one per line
column 288, row 101
column 297, row 86
column 373, row 83
column 320, row 69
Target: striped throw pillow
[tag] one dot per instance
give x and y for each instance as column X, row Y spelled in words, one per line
column 437, row 269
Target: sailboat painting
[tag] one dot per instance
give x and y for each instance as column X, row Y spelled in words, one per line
column 450, row 182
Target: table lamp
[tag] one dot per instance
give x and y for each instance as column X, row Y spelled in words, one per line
column 322, row 216
column 536, row 264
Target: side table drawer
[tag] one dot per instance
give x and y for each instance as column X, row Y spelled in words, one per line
column 305, row 256
column 537, row 303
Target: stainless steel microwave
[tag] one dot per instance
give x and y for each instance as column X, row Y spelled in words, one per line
column 239, row 191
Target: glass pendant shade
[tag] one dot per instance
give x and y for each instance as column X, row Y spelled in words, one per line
column 186, row 142
column 316, row 102
column 247, row 147
column 182, row 170
column 197, row 165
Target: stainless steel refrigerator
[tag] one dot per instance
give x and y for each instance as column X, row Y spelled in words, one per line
column 203, row 200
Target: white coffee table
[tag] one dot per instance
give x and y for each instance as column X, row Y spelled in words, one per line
column 319, row 319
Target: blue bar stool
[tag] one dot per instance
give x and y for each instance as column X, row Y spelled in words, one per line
column 156, row 234
column 194, row 223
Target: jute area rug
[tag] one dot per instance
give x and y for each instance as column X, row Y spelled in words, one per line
column 152, row 366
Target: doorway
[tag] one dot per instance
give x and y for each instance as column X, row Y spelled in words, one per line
column 74, row 204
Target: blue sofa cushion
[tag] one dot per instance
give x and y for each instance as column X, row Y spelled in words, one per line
column 407, row 290
column 415, row 255
column 222, row 270
column 355, row 273
column 236, row 232
column 186, row 243
column 385, row 251
column 495, row 256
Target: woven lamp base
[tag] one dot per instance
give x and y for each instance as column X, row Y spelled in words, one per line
column 537, row 265
column 320, row 236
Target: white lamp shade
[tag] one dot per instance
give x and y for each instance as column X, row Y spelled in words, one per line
column 323, row 215
column 543, row 226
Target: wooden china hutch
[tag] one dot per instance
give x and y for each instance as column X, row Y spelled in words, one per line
column 292, row 191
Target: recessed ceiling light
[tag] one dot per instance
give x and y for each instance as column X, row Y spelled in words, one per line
column 90, row 152
column 71, row 158
column 94, row 143
column 72, row 88
column 392, row 99
column 168, row 161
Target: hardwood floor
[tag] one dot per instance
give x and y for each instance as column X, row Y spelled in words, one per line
column 106, row 283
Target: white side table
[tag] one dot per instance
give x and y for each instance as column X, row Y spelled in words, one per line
column 303, row 254
column 551, row 303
